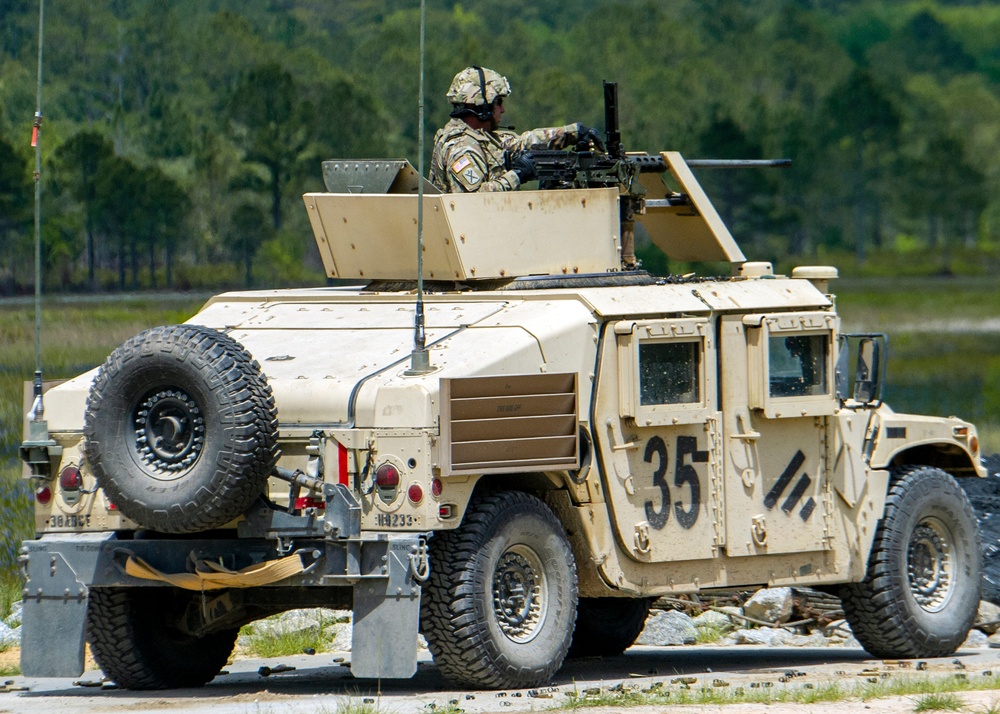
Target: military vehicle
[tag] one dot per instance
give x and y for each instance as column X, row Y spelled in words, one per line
column 583, row 438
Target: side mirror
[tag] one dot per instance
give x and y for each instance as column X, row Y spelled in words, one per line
column 867, row 377
column 869, row 368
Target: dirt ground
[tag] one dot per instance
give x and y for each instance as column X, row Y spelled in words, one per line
column 974, row 703
column 322, row 684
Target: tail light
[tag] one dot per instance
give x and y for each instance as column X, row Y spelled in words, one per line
column 43, row 495
column 70, row 483
column 70, row 479
column 387, row 477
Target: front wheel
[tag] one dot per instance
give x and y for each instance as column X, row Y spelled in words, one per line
column 920, row 594
column 499, row 607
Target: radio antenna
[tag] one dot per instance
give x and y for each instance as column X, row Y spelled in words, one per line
column 37, row 407
column 38, row 450
column 420, row 362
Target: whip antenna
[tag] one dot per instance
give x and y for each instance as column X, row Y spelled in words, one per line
column 39, row 450
column 420, row 362
column 37, row 407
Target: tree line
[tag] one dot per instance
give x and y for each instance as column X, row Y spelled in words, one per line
column 180, row 135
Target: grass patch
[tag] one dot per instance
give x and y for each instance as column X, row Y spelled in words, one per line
column 939, row 702
column 263, row 641
column 707, row 634
column 11, row 587
column 720, row 692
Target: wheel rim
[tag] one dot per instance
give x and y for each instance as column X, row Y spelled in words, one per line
column 169, row 432
column 930, row 564
column 520, row 594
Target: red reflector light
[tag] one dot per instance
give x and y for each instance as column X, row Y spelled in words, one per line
column 309, row 502
column 112, row 507
column 387, row 477
column 70, row 479
column 437, row 487
column 343, row 477
column 446, row 511
column 415, row 493
column 43, row 495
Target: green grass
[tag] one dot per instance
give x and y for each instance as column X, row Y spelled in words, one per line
column 707, row 634
column 719, row 692
column 939, row 702
column 992, row 708
column 261, row 642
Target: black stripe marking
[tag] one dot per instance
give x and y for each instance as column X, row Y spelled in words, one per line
column 779, row 487
column 807, row 509
column 796, row 495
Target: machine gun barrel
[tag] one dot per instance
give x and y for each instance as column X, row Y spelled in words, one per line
column 655, row 165
column 738, row 163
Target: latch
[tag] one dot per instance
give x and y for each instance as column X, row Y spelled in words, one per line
column 642, row 543
column 758, row 529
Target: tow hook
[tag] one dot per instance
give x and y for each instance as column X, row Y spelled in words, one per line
column 420, row 562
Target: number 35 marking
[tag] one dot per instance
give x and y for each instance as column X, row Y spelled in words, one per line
column 684, row 474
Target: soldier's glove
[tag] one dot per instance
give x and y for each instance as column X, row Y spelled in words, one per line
column 524, row 166
column 590, row 135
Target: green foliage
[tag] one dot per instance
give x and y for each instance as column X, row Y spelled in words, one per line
column 939, row 702
column 887, row 110
column 267, row 643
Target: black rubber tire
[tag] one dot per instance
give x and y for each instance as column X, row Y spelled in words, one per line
column 134, row 646
column 607, row 626
column 181, row 429
column 928, row 528
column 506, row 539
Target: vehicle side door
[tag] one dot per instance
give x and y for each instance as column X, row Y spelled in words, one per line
column 778, row 394
column 658, row 431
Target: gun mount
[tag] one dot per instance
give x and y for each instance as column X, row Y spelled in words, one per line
column 364, row 222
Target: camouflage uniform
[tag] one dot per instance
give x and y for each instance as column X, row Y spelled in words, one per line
column 467, row 159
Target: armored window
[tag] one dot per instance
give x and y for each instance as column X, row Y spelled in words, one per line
column 790, row 363
column 797, row 365
column 668, row 372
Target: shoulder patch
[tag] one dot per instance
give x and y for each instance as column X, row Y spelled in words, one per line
column 467, row 173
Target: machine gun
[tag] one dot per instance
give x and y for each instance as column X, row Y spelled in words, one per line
column 585, row 167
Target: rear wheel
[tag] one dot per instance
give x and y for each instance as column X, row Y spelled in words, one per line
column 135, row 645
column 607, row 626
column 920, row 594
column 499, row 606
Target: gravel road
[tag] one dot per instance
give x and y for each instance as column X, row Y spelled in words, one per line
column 320, row 685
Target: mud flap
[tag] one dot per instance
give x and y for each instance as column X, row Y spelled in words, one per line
column 54, row 618
column 387, row 615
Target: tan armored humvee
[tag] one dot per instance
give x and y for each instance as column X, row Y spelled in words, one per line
column 586, row 438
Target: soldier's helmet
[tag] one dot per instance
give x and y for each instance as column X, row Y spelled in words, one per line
column 477, row 86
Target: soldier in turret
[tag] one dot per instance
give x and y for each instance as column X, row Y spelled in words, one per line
column 473, row 153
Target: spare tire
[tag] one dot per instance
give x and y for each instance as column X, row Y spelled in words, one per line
column 181, row 429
